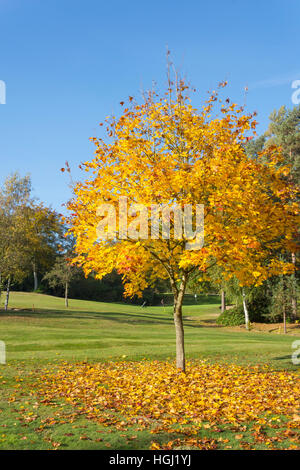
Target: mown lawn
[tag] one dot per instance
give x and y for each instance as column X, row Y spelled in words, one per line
column 41, row 334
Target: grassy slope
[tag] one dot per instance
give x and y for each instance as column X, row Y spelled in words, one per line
column 104, row 330
column 100, row 331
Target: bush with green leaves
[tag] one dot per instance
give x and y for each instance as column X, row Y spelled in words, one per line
column 232, row 317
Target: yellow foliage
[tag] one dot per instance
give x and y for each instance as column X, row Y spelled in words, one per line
column 166, row 151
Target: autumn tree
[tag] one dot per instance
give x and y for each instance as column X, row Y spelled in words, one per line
column 43, row 232
column 14, row 196
column 30, row 233
column 164, row 152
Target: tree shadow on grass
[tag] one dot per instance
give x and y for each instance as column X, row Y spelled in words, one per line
column 207, row 323
column 118, row 317
column 282, row 358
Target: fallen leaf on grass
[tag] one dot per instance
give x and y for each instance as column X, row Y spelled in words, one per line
column 153, row 392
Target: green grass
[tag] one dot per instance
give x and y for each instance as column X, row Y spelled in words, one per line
column 100, row 331
column 42, row 332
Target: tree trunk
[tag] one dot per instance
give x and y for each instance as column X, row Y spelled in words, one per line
column 223, row 301
column 284, row 299
column 294, row 292
column 66, row 295
column 178, row 300
column 7, row 294
column 180, row 354
column 35, row 278
column 294, row 307
column 247, row 323
column 284, row 319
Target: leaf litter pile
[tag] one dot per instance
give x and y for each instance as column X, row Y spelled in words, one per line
column 158, row 397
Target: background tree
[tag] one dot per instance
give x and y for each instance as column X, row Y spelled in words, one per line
column 30, row 233
column 61, row 274
column 284, row 131
column 14, row 197
column 165, row 151
column 44, row 234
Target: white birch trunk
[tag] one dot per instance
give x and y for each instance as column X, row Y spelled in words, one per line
column 223, row 301
column 35, row 278
column 284, row 320
column 247, row 322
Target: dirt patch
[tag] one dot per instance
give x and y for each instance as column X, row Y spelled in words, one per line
column 275, row 328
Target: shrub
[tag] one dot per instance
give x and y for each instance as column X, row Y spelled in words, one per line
column 232, row 317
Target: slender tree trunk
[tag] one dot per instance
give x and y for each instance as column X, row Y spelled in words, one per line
column 223, row 301
column 7, row 294
column 284, row 319
column 294, row 292
column 178, row 300
column 35, row 278
column 294, row 307
column 284, row 299
column 66, row 295
column 247, row 322
column 180, row 354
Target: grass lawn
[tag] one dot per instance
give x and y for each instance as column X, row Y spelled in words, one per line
column 40, row 333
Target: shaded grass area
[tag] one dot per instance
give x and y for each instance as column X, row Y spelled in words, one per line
column 39, row 332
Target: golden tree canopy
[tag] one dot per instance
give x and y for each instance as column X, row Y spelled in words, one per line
column 164, row 151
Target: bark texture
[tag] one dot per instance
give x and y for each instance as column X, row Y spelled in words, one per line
column 178, row 300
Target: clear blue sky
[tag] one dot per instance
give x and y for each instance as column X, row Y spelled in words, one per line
column 68, row 64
